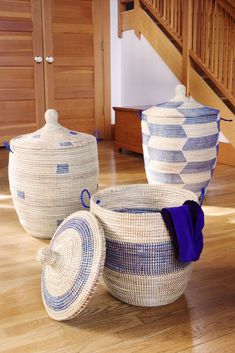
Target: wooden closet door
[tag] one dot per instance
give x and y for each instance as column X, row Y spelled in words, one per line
column 21, row 78
column 74, row 78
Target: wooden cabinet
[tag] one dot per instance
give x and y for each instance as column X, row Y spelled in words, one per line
column 128, row 133
column 65, row 37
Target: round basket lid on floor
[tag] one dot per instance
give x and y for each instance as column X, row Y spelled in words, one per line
column 72, row 265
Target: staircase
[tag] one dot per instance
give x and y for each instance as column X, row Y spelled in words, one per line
column 196, row 39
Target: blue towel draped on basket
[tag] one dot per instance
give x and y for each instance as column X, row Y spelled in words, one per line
column 185, row 224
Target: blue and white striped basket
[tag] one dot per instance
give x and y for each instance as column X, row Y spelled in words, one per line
column 180, row 143
column 48, row 169
column 142, row 266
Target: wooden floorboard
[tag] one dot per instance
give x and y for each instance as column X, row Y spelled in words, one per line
column 203, row 320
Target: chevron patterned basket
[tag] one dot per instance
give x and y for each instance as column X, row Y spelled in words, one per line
column 141, row 267
column 47, row 171
column 180, row 143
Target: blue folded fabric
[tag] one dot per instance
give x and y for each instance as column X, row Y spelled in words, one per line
column 185, row 224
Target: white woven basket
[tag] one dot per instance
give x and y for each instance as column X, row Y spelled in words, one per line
column 180, row 143
column 142, row 267
column 47, row 171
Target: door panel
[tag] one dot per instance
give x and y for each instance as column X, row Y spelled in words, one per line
column 15, row 9
column 21, row 79
column 81, row 119
column 16, row 77
column 73, row 82
column 70, row 79
column 19, row 112
column 73, row 44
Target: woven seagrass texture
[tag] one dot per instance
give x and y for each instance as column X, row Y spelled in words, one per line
column 180, row 143
column 46, row 183
column 72, row 265
column 142, row 265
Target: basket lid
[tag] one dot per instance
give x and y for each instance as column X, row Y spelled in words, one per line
column 72, row 265
column 52, row 136
column 181, row 106
column 191, row 108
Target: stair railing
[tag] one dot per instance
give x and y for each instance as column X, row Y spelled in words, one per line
column 204, row 32
column 213, row 42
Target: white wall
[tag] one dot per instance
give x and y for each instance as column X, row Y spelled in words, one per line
column 145, row 78
column 116, row 50
column 138, row 75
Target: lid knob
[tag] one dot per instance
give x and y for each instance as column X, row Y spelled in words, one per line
column 47, row 256
column 51, row 116
column 180, row 90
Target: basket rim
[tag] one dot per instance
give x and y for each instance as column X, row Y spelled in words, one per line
column 99, row 209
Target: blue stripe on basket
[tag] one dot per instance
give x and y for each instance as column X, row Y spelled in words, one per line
column 145, row 139
column 73, row 132
column 84, row 232
column 199, row 143
column 166, row 156
column 170, row 104
column 144, row 116
column 198, row 112
column 66, row 144
column 200, row 120
column 197, row 187
column 142, row 259
column 137, row 210
column 20, row 194
column 175, row 131
column 166, row 178
column 62, row 168
column 37, row 136
column 198, row 167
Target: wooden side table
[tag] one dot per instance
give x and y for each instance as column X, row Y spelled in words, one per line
column 128, row 128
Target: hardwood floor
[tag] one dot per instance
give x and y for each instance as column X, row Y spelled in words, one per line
column 203, row 320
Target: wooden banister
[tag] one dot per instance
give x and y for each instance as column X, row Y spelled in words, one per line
column 187, row 42
column 168, row 14
column 204, row 32
column 213, row 43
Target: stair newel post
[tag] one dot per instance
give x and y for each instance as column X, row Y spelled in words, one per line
column 187, row 43
column 137, row 7
column 136, row 4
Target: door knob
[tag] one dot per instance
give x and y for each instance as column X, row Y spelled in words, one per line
column 49, row 59
column 38, row 59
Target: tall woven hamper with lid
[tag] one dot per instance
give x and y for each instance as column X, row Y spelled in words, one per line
column 180, row 143
column 47, row 171
column 142, row 266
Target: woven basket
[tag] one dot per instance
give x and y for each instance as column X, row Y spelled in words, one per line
column 141, row 267
column 180, row 143
column 72, row 265
column 47, row 171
